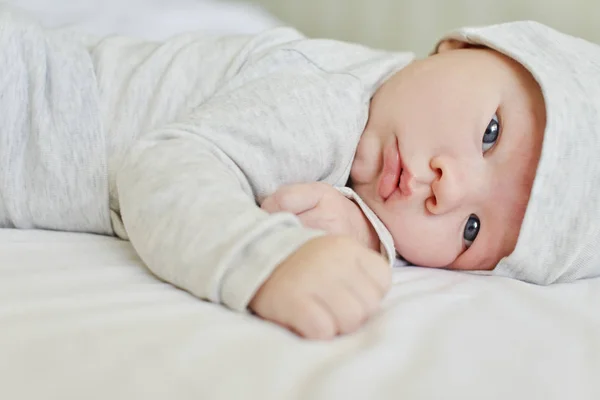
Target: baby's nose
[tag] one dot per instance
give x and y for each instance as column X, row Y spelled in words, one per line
column 450, row 186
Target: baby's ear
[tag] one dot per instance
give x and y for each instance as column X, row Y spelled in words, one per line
column 450, row 44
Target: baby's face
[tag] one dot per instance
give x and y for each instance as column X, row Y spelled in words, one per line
column 448, row 157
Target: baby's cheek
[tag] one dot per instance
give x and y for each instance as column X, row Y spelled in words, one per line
column 426, row 256
column 367, row 160
column 421, row 243
column 360, row 172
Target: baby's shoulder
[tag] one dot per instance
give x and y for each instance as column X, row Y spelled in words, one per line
column 333, row 58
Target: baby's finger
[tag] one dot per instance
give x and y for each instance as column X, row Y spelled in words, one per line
column 317, row 219
column 311, row 320
column 348, row 310
column 270, row 205
column 295, row 199
column 366, row 292
column 377, row 271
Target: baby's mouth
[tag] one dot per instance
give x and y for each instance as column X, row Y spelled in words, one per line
column 399, row 181
column 394, row 175
column 404, row 182
column 391, row 172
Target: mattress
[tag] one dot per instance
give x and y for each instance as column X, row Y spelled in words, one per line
column 82, row 318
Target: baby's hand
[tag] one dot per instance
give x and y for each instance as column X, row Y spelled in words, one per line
column 329, row 286
column 319, row 205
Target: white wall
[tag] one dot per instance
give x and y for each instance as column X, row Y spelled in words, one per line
column 416, row 24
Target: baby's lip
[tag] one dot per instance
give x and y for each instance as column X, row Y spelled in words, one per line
column 405, row 182
column 390, row 173
column 394, row 175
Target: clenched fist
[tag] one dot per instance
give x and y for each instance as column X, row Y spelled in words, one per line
column 329, row 286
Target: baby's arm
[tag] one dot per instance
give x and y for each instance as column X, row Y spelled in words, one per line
column 187, row 196
column 193, row 222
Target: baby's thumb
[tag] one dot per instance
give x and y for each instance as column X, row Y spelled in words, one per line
column 295, row 199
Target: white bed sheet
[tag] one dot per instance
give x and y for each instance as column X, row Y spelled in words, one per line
column 81, row 318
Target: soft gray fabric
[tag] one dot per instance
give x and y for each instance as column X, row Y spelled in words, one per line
column 52, row 147
column 197, row 129
column 560, row 236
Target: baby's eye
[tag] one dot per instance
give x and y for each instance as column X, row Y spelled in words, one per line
column 471, row 230
column 491, row 134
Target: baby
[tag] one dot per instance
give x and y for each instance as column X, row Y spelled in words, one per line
column 283, row 175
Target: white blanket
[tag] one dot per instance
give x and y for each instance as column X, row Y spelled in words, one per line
column 81, row 318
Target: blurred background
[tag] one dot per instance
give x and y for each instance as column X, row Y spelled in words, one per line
column 408, row 25
column 416, row 24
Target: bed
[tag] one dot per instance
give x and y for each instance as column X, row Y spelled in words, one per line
column 82, row 318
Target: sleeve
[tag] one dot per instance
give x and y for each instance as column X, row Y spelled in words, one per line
column 387, row 248
column 194, row 225
column 188, row 192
